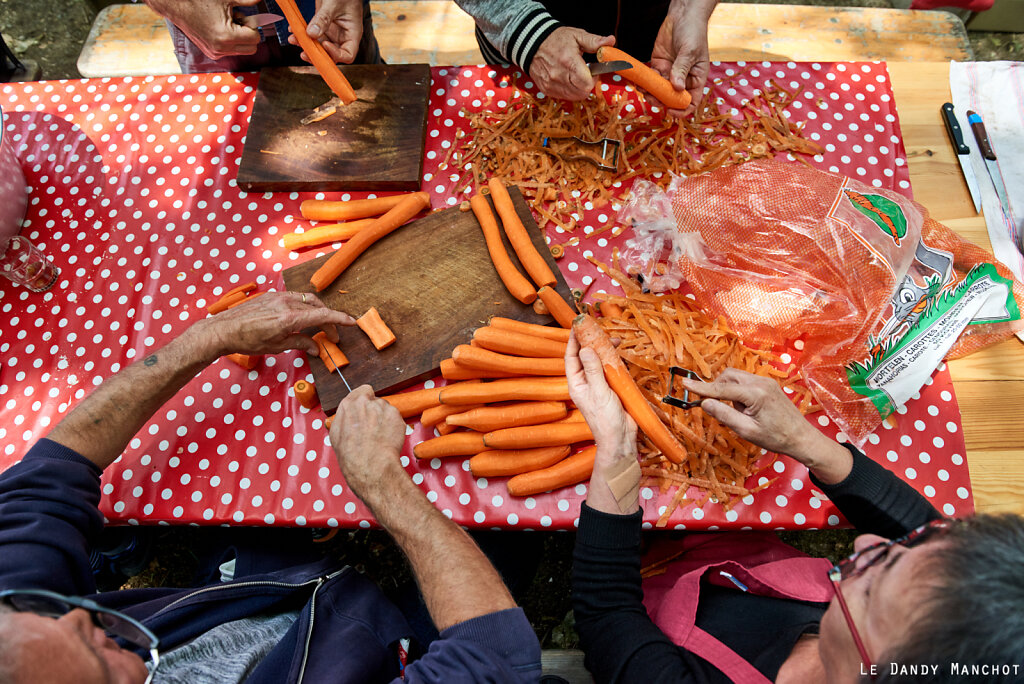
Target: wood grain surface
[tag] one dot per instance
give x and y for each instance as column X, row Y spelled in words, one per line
column 374, row 143
column 989, row 384
column 433, row 283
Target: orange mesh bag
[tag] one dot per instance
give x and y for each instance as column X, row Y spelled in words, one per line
column 878, row 292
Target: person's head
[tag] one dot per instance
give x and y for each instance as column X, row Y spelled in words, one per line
column 70, row 648
column 956, row 597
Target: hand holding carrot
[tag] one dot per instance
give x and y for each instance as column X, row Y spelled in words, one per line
column 763, row 414
column 272, row 324
column 338, row 25
column 558, row 68
column 681, row 49
column 367, row 435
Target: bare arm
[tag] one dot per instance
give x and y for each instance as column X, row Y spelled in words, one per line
column 100, row 427
column 457, row 581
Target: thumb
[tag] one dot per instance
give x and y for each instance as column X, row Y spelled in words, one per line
column 592, row 366
column 317, row 26
column 680, row 70
column 302, row 342
column 588, row 42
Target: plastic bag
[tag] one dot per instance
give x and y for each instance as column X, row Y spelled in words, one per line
column 876, row 292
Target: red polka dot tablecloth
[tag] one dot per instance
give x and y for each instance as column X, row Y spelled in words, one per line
column 133, row 196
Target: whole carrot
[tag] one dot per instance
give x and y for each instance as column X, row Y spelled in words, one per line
column 557, row 306
column 455, row 444
column 490, row 418
column 437, row 414
column 225, row 302
column 532, row 436
column 590, row 334
column 505, row 462
column 572, row 470
column 647, row 78
column 450, row 370
column 323, row 235
column 515, row 283
column 415, row 402
column 485, row 359
column 517, row 344
column 393, row 219
column 510, row 389
column 347, row 210
column 560, row 334
column 325, row 66
column 528, row 255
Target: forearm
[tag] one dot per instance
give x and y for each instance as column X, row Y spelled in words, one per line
column 515, row 27
column 457, row 581
column 693, row 10
column 103, row 423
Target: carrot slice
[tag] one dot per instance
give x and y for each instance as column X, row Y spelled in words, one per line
column 455, row 444
column 325, row 66
column 647, row 78
column 528, row 255
column 376, row 329
column 572, row 470
column 557, row 306
column 393, row 219
column 490, row 418
column 517, row 285
column 330, row 353
column 533, row 436
column 487, row 360
column 505, row 462
column 347, row 210
column 305, row 393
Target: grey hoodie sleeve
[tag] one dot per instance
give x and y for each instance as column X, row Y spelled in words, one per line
column 516, row 28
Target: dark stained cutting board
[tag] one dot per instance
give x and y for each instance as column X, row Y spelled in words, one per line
column 433, row 283
column 375, row 143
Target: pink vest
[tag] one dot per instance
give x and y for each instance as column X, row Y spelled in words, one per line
column 759, row 560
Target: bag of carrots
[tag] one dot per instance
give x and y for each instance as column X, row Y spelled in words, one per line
column 877, row 291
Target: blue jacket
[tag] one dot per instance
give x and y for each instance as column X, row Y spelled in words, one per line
column 347, row 630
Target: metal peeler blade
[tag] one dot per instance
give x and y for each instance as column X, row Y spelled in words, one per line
column 673, row 400
column 609, row 147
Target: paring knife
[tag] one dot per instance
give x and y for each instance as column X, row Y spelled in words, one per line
column 985, row 147
column 261, row 20
column 347, row 386
column 963, row 154
column 598, row 68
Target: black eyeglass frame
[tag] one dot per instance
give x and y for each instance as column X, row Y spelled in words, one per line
column 849, row 568
column 123, row 626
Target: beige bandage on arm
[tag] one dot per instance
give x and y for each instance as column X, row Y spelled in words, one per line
column 623, row 478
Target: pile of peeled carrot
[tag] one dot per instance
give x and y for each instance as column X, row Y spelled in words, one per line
column 658, row 331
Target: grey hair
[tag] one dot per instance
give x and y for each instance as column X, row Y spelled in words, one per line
column 973, row 611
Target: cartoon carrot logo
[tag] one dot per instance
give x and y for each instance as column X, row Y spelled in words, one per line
column 886, row 214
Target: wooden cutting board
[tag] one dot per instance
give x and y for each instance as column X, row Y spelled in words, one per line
column 433, row 283
column 375, row 143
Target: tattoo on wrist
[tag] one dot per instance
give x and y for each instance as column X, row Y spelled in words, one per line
column 149, row 360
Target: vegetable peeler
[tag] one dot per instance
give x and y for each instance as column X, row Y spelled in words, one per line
column 609, row 151
column 673, row 400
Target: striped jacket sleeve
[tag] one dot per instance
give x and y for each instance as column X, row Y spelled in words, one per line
column 515, row 28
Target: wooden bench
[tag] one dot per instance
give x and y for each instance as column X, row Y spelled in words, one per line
column 132, row 40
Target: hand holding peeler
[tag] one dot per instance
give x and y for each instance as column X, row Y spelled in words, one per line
column 673, row 400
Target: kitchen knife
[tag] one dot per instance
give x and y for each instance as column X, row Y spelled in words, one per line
column 258, row 20
column 598, row 68
column 347, row 386
column 963, row 154
column 985, row 147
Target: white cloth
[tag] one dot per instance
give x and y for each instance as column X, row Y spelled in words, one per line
column 995, row 90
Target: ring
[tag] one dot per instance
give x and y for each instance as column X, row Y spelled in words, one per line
column 303, row 297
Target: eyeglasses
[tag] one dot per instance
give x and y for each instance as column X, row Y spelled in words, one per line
column 114, row 623
column 856, row 564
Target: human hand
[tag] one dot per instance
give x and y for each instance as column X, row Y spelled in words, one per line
column 680, row 51
column 558, row 68
column 367, row 435
column 613, row 429
column 338, row 25
column 271, row 324
column 211, row 25
column 762, row 413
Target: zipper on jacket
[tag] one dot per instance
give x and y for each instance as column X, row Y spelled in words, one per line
column 312, row 613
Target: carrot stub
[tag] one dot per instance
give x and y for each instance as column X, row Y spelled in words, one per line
column 330, row 353
column 394, row 218
column 572, row 470
column 517, row 343
column 517, row 285
column 305, row 393
column 454, row 444
column 325, row 66
column 376, row 329
column 590, row 334
column 532, row 436
column 557, row 307
column 505, row 462
column 244, row 360
column 490, row 418
column 647, row 78
column 329, row 210
column 485, row 359
column 528, row 255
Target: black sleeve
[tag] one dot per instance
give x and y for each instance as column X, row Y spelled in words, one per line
column 620, row 641
column 875, row 501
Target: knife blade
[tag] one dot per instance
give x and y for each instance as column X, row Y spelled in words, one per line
column 257, row 20
column 963, row 153
column 985, row 147
column 347, row 386
column 598, row 68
